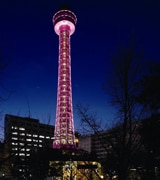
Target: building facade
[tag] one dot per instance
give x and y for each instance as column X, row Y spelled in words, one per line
column 24, row 136
column 95, row 144
column 85, row 142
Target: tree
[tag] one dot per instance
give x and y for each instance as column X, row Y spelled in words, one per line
column 89, row 122
column 3, row 65
column 4, row 95
column 90, row 125
column 127, row 68
column 149, row 97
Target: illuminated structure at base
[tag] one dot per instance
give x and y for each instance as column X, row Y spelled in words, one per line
column 64, row 25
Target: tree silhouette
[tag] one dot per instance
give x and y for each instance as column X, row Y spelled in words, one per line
column 4, row 63
column 127, row 68
column 150, row 129
column 149, row 95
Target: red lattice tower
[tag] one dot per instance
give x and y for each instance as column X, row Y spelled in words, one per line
column 64, row 25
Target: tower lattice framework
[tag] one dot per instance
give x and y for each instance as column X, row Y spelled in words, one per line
column 64, row 25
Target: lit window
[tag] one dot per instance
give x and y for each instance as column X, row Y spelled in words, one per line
column 13, row 127
column 22, row 134
column 41, row 136
column 14, row 133
column 21, row 154
column 21, row 128
column 35, row 135
column 35, row 140
column 21, row 144
column 13, row 143
column 14, row 138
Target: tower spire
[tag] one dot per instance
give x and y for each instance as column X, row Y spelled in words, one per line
column 64, row 25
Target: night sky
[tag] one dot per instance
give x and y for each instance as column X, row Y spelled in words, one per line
column 28, row 40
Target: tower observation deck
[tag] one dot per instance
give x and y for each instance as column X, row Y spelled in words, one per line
column 64, row 25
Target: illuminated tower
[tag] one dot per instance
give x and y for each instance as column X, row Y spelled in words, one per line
column 64, row 25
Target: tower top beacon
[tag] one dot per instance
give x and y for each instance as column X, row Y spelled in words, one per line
column 64, row 17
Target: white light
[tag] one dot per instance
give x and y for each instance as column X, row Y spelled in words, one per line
column 22, row 134
column 14, row 133
column 21, row 154
column 14, row 138
column 62, row 23
column 21, row 128
column 21, row 144
column 35, row 135
column 41, row 136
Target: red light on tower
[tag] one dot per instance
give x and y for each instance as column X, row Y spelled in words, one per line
column 64, row 25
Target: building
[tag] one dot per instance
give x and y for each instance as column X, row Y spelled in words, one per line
column 99, row 145
column 95, row 144
column 74, row 164
column 23, row 136
column 64, row 25
column 85, row 142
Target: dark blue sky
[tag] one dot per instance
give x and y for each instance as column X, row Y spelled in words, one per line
column 27, row 35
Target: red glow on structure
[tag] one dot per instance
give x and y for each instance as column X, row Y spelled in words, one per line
column 64, row 137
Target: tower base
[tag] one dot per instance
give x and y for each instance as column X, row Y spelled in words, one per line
column 66, row 146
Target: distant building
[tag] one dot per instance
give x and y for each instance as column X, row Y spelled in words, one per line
column 99, row 145
column 85, row 142
column 24, row 135
column 102, row 143
column 94, row 144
